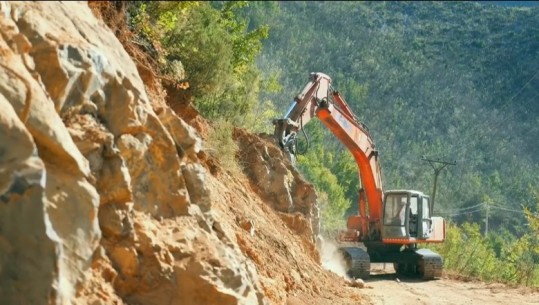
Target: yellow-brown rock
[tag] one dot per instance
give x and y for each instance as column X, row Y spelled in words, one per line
column 105, row 193
column 277, row 180
column 102, row 199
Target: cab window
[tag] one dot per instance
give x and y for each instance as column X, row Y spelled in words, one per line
column 395, row 208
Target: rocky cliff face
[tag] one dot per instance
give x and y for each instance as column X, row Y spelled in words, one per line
column 105, row 193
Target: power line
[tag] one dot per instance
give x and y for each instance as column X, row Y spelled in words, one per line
column 463, row 209
column 521, row 135
column 476, row 208
column 462, row 213
column 492, row 124
column 506, row 209
column 472, row 207
column 522, row 88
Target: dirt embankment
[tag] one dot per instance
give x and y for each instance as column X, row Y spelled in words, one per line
column 108, row 195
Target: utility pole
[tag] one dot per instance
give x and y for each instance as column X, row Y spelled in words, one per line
column 437, row 171
column 486, row 219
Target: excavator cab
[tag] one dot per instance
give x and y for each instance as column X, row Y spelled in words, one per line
column 406, row 216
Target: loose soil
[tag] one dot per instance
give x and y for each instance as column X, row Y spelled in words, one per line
column 385, row 287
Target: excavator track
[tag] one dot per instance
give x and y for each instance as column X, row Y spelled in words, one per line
column 358, row 262
column 422, row 263
column 430, row 264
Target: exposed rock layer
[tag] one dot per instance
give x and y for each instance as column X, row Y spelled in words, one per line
column 105, row 192
column 93, row 178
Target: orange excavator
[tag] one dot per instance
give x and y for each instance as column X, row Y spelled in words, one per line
column 389, row 225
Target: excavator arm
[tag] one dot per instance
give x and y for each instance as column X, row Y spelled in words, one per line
column 318, row 99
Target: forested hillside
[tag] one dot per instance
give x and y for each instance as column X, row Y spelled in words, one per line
column 450, row 81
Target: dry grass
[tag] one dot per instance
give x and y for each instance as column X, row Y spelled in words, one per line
column 221, row 146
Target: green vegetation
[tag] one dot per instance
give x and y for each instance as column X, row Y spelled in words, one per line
column 450, row 80
column 492, row 258
column 209, row 46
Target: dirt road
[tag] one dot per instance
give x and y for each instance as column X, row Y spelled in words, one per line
column 386, row 288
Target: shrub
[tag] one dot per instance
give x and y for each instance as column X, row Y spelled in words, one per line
column 207, row 45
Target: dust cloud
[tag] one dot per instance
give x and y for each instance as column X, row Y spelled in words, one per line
column 331, row 258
